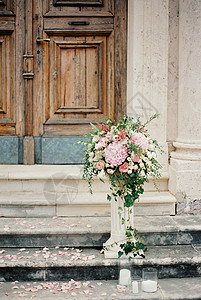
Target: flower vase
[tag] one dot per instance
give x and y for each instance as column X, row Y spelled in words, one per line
column 118, row 230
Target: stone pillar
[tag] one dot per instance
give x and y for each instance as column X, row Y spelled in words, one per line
column 118, row 229
column 185, row 169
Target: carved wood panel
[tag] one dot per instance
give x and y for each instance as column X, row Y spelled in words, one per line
column 7, row 7
column 79, row 71
column 7, row 109
column 79, row 3
column 78, row 7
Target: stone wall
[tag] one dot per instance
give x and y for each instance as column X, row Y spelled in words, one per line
column 164, row 63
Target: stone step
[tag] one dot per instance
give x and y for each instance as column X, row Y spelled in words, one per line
column 179, row 261
column 94, row 231
column 47, row 190
column 168, row 289
column 49, row 204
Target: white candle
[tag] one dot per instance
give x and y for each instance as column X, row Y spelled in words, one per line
column 135, row 287
column 125, row 277
column 149, row 286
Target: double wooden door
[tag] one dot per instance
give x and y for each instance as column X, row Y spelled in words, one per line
column 62, row 66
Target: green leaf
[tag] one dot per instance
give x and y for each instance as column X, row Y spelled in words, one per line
column 122, row 221
column 109, row 197
column 102, row 180
column 120, row 253
column 94, row 127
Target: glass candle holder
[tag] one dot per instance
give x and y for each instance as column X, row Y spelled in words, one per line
column 124, row 272
column 149, row 280
column 136, row 284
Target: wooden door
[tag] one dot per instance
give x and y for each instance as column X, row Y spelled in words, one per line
column 74, row 73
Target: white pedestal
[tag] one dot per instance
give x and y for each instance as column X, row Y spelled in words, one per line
column 117, row 229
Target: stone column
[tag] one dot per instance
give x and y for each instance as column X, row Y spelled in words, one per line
column 185, row 170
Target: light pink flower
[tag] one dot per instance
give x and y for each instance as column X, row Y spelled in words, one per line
column 100, row 165
column 124, row 168
column 140, row 140
column 136, row 158
column 115, row 154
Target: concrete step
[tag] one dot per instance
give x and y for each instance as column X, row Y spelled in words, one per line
column 179, row 261
column 42, row 190
column 94, row 231
column 168, row 289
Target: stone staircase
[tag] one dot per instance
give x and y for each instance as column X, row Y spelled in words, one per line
column 58, row 190
column 55, row 249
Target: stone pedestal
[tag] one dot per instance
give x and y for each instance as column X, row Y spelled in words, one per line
column 185, row 169
column 117, row 228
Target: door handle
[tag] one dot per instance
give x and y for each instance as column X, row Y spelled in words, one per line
column 78, row 23
column 38, row 40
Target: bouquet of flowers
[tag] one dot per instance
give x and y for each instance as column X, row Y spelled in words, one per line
column 126, row 154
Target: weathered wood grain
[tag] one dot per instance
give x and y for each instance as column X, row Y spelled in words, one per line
column 120, row 29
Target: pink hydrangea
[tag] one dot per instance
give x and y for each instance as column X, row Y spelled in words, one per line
column 140, row 140
column 115, row 154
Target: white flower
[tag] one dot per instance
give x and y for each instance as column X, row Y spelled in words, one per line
column 151, row 147
column 129, row 171
column 141, row 165
column 95, row 138
column 91, row 154
column 115, row 137
column 149, row 154
column 149, row 163
column 110, row 171
column 135, row 167
column 142, row 173
column 154, row 154
column 90, row 159
column 145, row 159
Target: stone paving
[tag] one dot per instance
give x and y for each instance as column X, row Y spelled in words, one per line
column 172, row 289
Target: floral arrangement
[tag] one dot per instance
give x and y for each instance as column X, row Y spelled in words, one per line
column 126, row 154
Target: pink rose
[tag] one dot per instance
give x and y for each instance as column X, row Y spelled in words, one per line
column 100, row 165
column 136, row 158
column 124, row 168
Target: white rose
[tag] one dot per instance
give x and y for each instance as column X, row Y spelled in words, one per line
column 141, row 165
column 135, row 167
column 129, row 171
